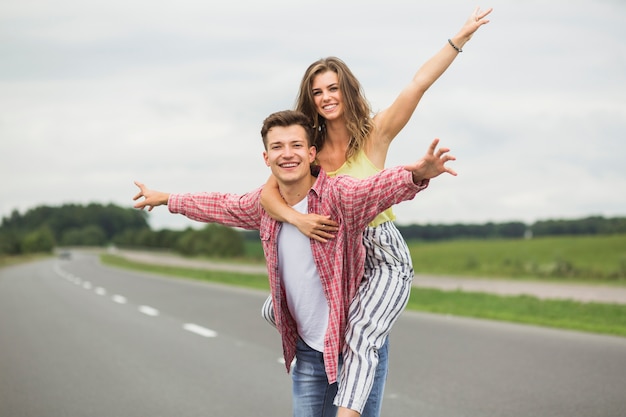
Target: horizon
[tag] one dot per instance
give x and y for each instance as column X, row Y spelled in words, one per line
column 196, row 225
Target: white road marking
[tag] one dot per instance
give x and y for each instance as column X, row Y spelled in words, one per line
column 119, row 299
column 149, row 311
column 199, row 330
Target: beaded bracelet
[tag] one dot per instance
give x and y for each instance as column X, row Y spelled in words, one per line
column 454, row 46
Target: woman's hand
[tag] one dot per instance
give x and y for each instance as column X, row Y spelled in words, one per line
column 316, row 226
column 476, row 20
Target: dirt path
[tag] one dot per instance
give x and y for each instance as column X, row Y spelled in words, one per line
column 578, row 292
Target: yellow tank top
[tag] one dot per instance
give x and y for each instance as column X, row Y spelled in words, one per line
column 359, row 166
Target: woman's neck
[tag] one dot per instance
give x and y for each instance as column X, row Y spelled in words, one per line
column 337, row 133
column 333, row 154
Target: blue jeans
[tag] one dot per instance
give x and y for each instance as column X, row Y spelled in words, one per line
column 312, row 394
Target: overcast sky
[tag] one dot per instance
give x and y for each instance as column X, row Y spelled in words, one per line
column 95, row 94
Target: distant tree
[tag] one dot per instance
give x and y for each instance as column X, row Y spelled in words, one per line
column 224, row 241
column 213, row 240
column 511, row 230
column 166, row 238
column 38, row 241
column 110, row 221
column 90, row 235
column 587, row 226
column 146, row 238
column 10, row 243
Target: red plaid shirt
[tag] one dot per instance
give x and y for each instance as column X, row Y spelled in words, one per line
column 340, row 262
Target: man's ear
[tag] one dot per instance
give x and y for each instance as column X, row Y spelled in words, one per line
column 266, row 158
column 312, row 154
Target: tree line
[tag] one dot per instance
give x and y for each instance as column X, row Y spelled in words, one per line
column 593, row 225
column 44, row 228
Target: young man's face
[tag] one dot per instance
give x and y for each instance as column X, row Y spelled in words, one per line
column 288, row 154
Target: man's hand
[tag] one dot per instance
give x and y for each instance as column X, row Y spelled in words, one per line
column 151, row 198
column 432, row 164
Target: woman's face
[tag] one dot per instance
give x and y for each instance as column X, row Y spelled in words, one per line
column 327, row 95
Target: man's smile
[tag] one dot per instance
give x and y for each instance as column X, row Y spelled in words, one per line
column 289, row 164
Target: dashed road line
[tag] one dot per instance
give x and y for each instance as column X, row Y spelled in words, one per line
column 199, row 330
column 148, row 311
column 120, row 299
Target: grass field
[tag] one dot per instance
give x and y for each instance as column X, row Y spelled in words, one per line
column 8, row 260
column 563, row 314
column 583, row 258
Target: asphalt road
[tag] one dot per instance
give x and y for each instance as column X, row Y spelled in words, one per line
column 80, row 339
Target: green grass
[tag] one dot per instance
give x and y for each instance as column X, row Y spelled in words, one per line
column 564, row 314
column 588, row 317
column 588, row 259
column 231, row 278
column 8, row 260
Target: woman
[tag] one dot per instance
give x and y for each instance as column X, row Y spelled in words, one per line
column 350, row 141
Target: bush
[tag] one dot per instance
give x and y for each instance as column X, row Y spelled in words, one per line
column 39, row 241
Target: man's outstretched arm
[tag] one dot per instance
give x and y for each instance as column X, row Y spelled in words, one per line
column 226, row 209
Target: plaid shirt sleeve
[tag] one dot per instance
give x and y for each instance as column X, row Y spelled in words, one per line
column 227, row 209
column 362, row 200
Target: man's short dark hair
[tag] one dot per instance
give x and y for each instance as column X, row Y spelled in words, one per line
column 288, row 118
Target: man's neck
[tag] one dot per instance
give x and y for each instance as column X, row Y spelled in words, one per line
column 294, row 193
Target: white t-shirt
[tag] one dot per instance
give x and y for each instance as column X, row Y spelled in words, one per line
column 305, row 297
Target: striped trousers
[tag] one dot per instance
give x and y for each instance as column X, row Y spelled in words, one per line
column 380, row 299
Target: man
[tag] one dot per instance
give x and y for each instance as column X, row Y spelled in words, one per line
column 312, row 283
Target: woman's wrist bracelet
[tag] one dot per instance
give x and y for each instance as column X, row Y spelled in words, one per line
column 454, row 46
